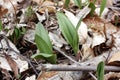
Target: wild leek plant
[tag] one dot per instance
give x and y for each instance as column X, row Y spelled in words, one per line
column 69, row 31
column 44, row 44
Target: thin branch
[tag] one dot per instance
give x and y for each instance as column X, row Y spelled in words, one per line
column 92, row 76
column 64, row 54
column 50, row 67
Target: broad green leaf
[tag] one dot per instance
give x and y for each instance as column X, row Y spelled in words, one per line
column 1, row 25
column 67, row 3
column 46, row 56
column 68, row 31
column 102, row 7
column 38, row 55
column 78, row 3
column 43, row 44
column 100, row 71
column 92, row 6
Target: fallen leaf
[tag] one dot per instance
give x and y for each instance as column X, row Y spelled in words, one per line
column 47, row 6
column 46, row 75
column 98, row 39
column 112, row 76
column 115, row 59
column 57, row 40
column 33, row 77
column 3, row 11
column 6, row 73
column 13, row 65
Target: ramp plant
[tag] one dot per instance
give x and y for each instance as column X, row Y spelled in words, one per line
column 68, row 30
column 44, row 44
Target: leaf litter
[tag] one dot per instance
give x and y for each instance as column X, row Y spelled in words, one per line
column 98, row 37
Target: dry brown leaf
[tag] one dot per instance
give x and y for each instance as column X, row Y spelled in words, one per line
column 13, row 65
column 115, row 59
column 47, row 6
column 3, row 11
column 50, row 9
column 46, row 75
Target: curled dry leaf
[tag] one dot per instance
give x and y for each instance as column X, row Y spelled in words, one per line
column 47, row 6
column 82, row 30
column 115, row 59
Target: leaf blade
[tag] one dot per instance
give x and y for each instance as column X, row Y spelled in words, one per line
column 68, row 31
column 100, row 71
column 102, row 7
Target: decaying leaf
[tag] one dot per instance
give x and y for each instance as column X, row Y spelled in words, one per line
column 98, row 39
column 22, row 64
column 3, row 11
column 4, row 64
column 87, row 52
column 112, row 76
column 115, row 59
column 57, row 40
column 33, row 77
column 6, row 74
column 13, row 65
column 47, row 75
column 47, row 6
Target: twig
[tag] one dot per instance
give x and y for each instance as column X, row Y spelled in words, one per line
column 14, row 8
column 92, row 76
column 50, row 67
column 63, row 53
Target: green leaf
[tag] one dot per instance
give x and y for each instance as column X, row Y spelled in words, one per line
column 1, row 25
column 102, row 7
column 47, row 56
column 67, row 3
column 38, row 55
column 79, row 23
column 68, row 31
column 43, row 43
column 17, row 32
column 78, row 3
column 92, row 6
column 100, row 71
